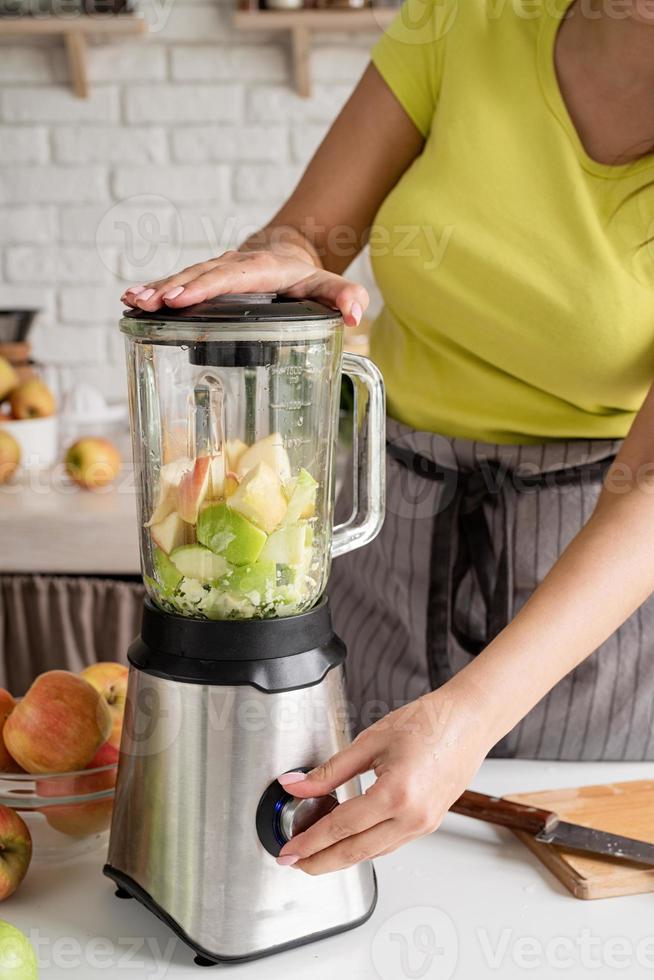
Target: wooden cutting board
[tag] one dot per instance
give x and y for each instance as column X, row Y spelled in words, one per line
column 622, row 808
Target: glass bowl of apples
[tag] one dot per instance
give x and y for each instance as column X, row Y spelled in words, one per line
column 67, row 814
column 59, row 757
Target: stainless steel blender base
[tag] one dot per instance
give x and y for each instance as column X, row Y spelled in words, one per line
column 127, row 888
column 196, row 760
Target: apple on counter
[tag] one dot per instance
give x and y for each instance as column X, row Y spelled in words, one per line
column 93, row 463
column 15, row 851
column 7, row 705
column 17, row 957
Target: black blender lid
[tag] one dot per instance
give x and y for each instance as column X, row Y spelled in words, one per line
column 241, row 308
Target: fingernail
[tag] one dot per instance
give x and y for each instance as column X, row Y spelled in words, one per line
column 172, row 293
column 289, row 778
column 147, row 294
column 356, row 313
column 287, row 860
column 135, row 290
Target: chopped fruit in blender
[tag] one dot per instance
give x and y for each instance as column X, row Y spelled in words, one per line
column 302, row 498
column 193, row 489
column 168, row 575
column 170, row 533
column 260, row 498
column 169, row 480
column 231, row 484
column 226, row 532
column 256, row 581
column 234, row 449
column 269, row 450
column 217, row 477
column 194, row 561
column 287, row 545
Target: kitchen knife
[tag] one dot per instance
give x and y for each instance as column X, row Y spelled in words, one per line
column 545, row 827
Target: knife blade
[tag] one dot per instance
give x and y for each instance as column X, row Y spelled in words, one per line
column 546, row 827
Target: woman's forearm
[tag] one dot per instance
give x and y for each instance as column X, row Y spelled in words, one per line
column 605, row 574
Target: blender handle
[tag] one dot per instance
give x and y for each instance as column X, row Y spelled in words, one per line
column 369, row 452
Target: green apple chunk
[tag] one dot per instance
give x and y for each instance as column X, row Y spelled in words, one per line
column 259, row 578
column 196, row 562
column 168, row 575
column 286, row 546
column 226, row 532
column 259, row 498
column 302, row 498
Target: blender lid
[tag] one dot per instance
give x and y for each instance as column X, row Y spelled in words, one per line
column 241, row 308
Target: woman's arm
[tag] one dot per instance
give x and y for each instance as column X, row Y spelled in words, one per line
column 425, row 753
column 324, row 224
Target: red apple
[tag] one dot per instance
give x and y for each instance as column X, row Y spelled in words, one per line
column 93, row 463
column 7, row 705
column 110, row 679
column 59, row 725
column 100, row 674
column 193, row 489
column 78, row 819
column 107, row 755
column 15, row 851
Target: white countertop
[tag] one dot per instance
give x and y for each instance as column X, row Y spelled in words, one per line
column 494, row 909
column 49, row 525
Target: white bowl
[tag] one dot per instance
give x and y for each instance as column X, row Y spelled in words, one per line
column 37, row 438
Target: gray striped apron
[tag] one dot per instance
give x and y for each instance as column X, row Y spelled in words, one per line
column 471, row 529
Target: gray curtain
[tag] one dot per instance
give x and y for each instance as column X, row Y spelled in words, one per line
column 53, row 622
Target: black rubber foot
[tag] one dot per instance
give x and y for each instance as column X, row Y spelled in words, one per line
column 201, row 961
column 121, row 893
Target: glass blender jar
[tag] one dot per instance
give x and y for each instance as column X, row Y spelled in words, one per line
column 234, row 405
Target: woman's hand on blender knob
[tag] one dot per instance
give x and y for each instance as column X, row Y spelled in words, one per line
column 252, row 272
column 424, row 756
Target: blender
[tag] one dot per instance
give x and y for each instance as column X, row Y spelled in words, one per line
column 237, row 675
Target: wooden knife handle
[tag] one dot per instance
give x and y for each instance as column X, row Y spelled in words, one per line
column 504, row 813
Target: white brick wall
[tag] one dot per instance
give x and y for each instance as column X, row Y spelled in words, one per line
column 189, row 142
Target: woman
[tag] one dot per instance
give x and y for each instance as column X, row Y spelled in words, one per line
column 498, row 158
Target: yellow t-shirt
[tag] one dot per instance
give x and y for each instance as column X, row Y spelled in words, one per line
column 517, row 273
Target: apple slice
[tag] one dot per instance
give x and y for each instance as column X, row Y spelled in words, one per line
column 255, row 581
column 169, row 533
column 259, row 498
column 168, row 575
column 194, row 561
column 302, row 498
column 231, row 484
column 228, row 533
column 234, row 449
column 287, row 545
column 193, row 489
column 269, row 450
column 170, row 477
column 217, row 477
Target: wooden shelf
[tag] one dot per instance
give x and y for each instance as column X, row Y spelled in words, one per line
column 74, row 32
column 300, row 24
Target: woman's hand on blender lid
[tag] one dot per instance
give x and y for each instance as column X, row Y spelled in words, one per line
column 424, row 756
column 255, row 272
